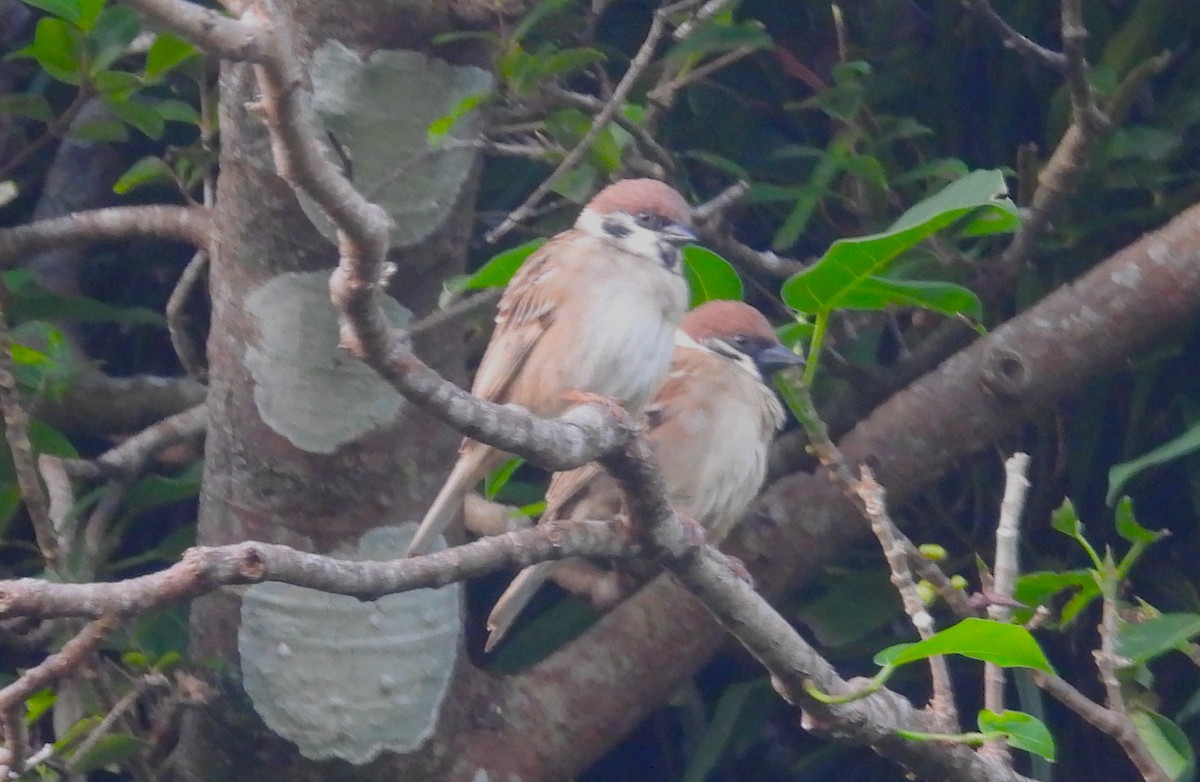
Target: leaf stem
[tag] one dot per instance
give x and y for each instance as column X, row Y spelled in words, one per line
column 820, row 323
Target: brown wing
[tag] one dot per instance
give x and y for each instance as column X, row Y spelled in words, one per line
column 583, row 493
column 526, row 310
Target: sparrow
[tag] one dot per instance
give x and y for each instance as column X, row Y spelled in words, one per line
column 594, row 310
column 709, row 428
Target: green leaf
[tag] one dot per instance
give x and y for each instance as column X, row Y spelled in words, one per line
column 740, row 713
column 1128, row 527
column 709, row 276
column 46, row 439
column 110, row 749
column 1022, row 731
column 145, row 171
column 1035, row 589
column 798, row 332
column 57, row 47
column 1141, row 642
column 22, row 104
column 89, row 12
column 1123, row 473
column 499, row 477
column 173, row 110
column 499, row 270
column 115, row 29
column 29, row 302
column 10, row 503
column 165, row 54
column 117, row 86
column 67, row 10
column 154, row 491
column 1167, row 743
column 1009, row 646
column 102, row 130
column 1065, row 520
column 38, row 704
column 850, row 262
column 141, row 116
column 442, row 125
column 876, row 293
column 568, row 60
column 713, row 38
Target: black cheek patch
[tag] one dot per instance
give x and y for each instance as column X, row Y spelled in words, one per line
column 616, row 228
column 669, row 255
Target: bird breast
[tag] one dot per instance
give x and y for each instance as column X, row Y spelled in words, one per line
column 627, row 349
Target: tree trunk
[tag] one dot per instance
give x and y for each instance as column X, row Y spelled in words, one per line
column 308, row 447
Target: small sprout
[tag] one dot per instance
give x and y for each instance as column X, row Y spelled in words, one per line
column 926, row 592
column 934, row 552
column 958, row 581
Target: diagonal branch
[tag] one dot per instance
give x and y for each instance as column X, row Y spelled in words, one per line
column 191, row 225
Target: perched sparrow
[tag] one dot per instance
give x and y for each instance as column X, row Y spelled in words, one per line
column 709, row 426
column 593, row 310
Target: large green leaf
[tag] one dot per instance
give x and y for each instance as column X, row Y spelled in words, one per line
column 1123, row 473
column 1167, row 743
column 1143, row 641
column 1009, row 646
column 876, row 293
column 850, row 263
column 165, row 54
column 501, row 267
column 709, row 276
column 30, row 302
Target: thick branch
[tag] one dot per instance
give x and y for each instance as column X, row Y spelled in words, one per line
column 191, row 225
column 204, row 569
column 214, row 32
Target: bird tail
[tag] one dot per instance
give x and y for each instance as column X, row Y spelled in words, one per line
column 472, row 465
column 515, row 598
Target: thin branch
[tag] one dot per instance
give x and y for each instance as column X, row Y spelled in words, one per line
column 127, row 460
column 1005, row 570
column 1084, row 110
column 702, row 15
column 118, row 711
column 214, row 32
column 16, row 432
column 639, row 63
column 1114, row 725
column 190, row 354
column 202, row 570
column 1014, row 40
column 644, row 139
column 191, row 225
column 54, row 667
column 664, row 93
column 60, row 125
column 874, row 503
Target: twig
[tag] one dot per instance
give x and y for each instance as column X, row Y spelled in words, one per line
column 644, row 139
column 1005, row 570
column 191, row 225
column 702, row 15
column 1023, row 46
column 664, row 93
column 190, row 355
column 715, row 207
column 1084, row 110
column 60, row 125
column 61, row 498
column 639, row 63
column 16, row 432
column 1116, row 726
column 459, row 310
column 56, row 666
column 874, row 503
column 118, row 711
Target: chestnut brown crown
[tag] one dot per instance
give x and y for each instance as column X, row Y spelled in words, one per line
column 725, row 320
column 634, row 196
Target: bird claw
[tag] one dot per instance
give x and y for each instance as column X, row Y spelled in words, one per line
column 610, row 404
column 739, row 569
column 693, row 532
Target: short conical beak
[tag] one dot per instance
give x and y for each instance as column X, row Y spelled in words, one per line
column 775, row 358
column 678, row 235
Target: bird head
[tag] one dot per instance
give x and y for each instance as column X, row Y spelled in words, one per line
column 740, row 333
column 644, row 217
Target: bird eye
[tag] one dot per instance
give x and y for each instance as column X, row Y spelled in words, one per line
column 649, row 220
column 740, row 340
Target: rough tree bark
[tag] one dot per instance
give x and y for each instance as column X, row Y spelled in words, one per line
column 305, row 445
